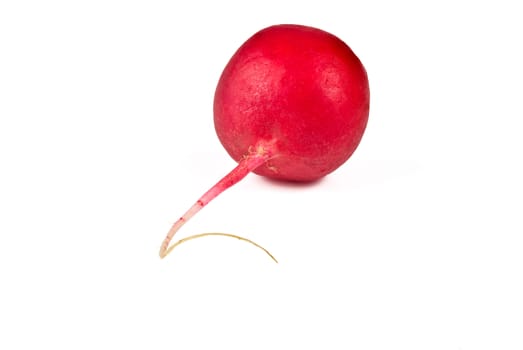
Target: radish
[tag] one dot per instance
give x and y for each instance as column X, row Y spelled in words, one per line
column 291, row 104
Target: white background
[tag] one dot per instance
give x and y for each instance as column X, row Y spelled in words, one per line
column 106, row 137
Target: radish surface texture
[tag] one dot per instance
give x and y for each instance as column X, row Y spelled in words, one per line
column 291, row 104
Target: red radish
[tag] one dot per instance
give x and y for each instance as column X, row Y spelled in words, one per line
column 291, row 104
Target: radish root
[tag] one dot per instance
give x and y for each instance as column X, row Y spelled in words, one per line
column 218, row 234
column 256, row 157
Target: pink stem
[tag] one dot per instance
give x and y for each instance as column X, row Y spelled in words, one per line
column 244, row 167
